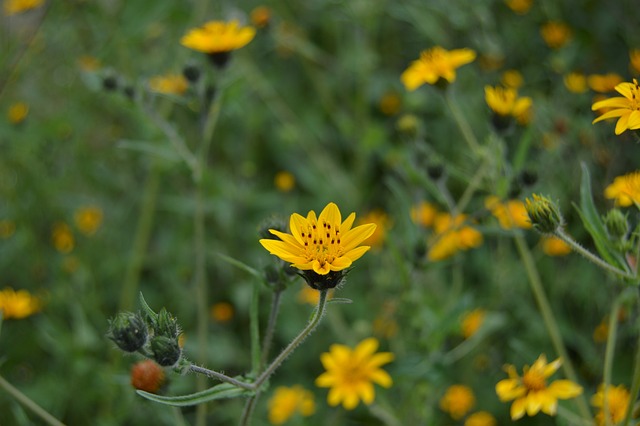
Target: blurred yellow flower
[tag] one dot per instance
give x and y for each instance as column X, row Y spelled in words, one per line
column 88, row 219
column 530, row 393
column 88, row 63
column 170, row 84
column 505, row 101
column 222, row 312
column 604, row 83
column 7, row 228
column 351, row 373
column 472, row 321
column 62, row 237
column 481, row 418
column 284, row 181
column 452, row 235
column 311, row 296
column 13, row 7
column 287, row 401
column 626, row 108
column 18, row 304
column 634, row 58
column 382, row 222
column 512, row 79
column 575, row 82
column 435, row 64
column 617, row 400
column 390, row 103
column 625, row 189
column 554, row 246
column 555, row 34
column 218, row 36
column 321, row 244
column 519, row 6
column 423, row 214
column 510, row 214
column 458, row 400
column 17, row 112
column 261, row 16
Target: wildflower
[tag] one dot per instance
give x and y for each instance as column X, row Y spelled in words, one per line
column 286, row 401
column 321, row 244
column 519, row 6
column 284, row 181
column 575, row 82
column 617, row 400
column 434, row 65
column 458, row 400
column 530, row 393
column 604, row 83
column 13, row 7
column 472, row 321
column 382, row 222
column 554, row 246
column 7, row 229
column 634, row 58
column 128, row 331
column 511, row 214
column 390, row 103
column 18, row 304
column 17, row 112
column 88, row 219
column 147, row 376
column 261, row 16
column 218, row 39
column 512, row 79
column 543, row 214
column 627, row 108
column 423, row 214
column 616, row 224
column 88, row 63
column 481, row 418
column 62, row 237
column 351, row 373
column 451, row 236
column 172, row 84
column 222, row 311
column 505, row 102
column 625, row 190
column 555, row 34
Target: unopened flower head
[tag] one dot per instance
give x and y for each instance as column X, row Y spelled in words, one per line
column 18, row 304
column 129, row 331
column 351, row 373
column 88, row 219
column 544, row 214
column 287, row 401
column 458, row 400
column 625, row 189
column 625, row 108
column 147, row 375
column 434, row 65
column 617, row 400
column 531, row 393
column 617, row 224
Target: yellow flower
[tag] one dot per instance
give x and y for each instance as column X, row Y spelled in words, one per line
column 554, row 246
column 481, row 418
column 18, row 112
column 88, row 219
column 284, row 181
column 17, row 304
column 519, row 6
column 423, row 214
column 627, row 108
column 634, row 58
column 505, row 102
column 472, row 321
column 510, row 214
column 382, row 222
column 311, row 296
column 555, row 34
column 321, row 244
column 451, row 236
column 351, row 373
column 512, row 79
column 625, row 189
column 604, row 83
column 617, row 403
column 218, row 36
column 530, row 393
column 172, row 84
column 458, row 400
column 12, row 7
column 62, row 237
column 435, row 64
column 7, row 229
column 390, row 103
column 260, row 16
column 222, row 311
column 575, row 82
column 286, row 401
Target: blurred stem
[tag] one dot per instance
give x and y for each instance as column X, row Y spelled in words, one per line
column 271, row 326
column 635, row 385
column 461, row 121
column 200, row 293
column 474, row 183
column 141, row 238
column 219, row 376
column 592, row 257
column 549, row 319
column 254, row 328
column 609, row 354
column 384, row 415
column 29, row 403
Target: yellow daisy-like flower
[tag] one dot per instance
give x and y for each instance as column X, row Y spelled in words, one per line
column 451, row 236
column 382, row 222
column 505, row 101
column 424, row 214
column 351, row 373
column 511, row 214
column 519, row 6
column 554, row 246
column 617, row 398
column 13, row 7
column 218, row 36
column 88, row 219
column 322, row 244
column 512, row 79
column 575, row 82
column 604, row 83
column 530, row 393
column 62, row 237
column 261, row 16
column 634, row 58
column 18, row 304
column 555, row 34
column 286, row 402
column 18, row 112
column 472, row 321
column 627, row 108
column 458, row 400
column 222, row 312
column 171, row 84
column 625, row 190
column 311, row 296
column 481, row 418
column 284, row 181
column 435, row 64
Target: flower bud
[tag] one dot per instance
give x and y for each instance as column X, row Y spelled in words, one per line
column 323, row 282
column 166, row 350
column 166, row 325
column 544, row 214
column 128, row 331
column 191, row 73
column 617, row 225
column 408, row 124
column 147, row 375
column 110, row 83
column 435, row 171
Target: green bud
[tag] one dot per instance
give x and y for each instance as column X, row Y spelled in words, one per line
column 128, row 331
column 323, row 282
column 166, row 325
column 408, row 124
column 165, row 350
column 544, row 214
column 617, row 225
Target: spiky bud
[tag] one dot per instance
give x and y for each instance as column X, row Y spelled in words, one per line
column 544, row 214
column 128, row 331
column 166, row 350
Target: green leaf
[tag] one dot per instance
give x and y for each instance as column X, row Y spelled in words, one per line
column 342, row 300
column 221, row 391
column 240, row 265
column 147, row 310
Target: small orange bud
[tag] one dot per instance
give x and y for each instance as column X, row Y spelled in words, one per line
column 147, row 375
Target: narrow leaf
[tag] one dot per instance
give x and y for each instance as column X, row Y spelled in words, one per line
column 221, row 391
column 240, row 265
column 342, row 300
column 147, row 310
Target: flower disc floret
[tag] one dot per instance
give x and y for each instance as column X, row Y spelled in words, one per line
column 626, row 108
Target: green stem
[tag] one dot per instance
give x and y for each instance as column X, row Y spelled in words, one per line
column 219, row 376
column 609, row 354
column 549, row 319
column 592, row 257
column 200, row 292
column 29, row 403
column 462, row 123
column 254, row 324
column 473, row 186
column 271, row 326
column 635, row 385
